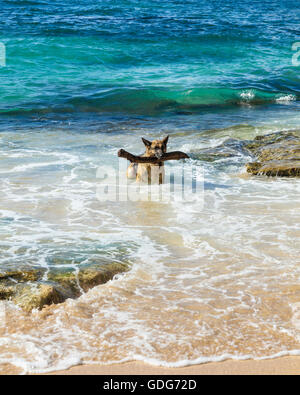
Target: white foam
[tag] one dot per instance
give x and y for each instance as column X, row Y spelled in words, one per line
column 247, row 95
column 286, row 99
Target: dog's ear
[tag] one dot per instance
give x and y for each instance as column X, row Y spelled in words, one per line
column 146, row 142
column 165, row 140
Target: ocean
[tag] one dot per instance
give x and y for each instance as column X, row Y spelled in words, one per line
column 209, row 279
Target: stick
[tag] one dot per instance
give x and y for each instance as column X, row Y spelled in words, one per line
column 175, row 155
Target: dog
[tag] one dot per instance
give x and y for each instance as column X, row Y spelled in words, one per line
column 149, row 173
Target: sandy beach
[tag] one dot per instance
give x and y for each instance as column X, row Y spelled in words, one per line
column 278, row 366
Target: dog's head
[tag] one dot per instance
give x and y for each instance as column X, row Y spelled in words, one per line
column 156, row 147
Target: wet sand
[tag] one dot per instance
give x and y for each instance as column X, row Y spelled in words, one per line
column 278, row 366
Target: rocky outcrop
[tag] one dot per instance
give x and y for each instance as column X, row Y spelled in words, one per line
column 276, row 154
column 21, row 275
column 35, row 296
column 6, row 292
column 33, row 289
column 74, row 284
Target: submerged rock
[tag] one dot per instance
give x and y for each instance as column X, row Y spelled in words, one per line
column 72, row 283
column 36, row 296
column 229, row 149
column 30, row 290
column 276, row 154
column 6, row 292
column 21, row 276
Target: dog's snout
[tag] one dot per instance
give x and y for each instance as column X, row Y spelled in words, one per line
column 158, row 153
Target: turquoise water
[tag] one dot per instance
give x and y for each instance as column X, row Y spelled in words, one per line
column 211, row 279
column 146, row 58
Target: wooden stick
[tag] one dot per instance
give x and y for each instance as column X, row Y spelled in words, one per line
column 175, row 155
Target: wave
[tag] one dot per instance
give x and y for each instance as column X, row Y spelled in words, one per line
column 153, row 101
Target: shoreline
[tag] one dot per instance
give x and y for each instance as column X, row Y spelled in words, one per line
column 288, row 365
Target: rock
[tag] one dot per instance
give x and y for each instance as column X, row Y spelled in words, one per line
column 30, row 291
column 36, row 296
column 275, row 168
column 6, row 292
column 21, row 276
column 276, row 154
column 10, row 281
column 74, row 283
column 90, row 277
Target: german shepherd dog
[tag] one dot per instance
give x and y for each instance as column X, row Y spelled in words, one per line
column 147, row 172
